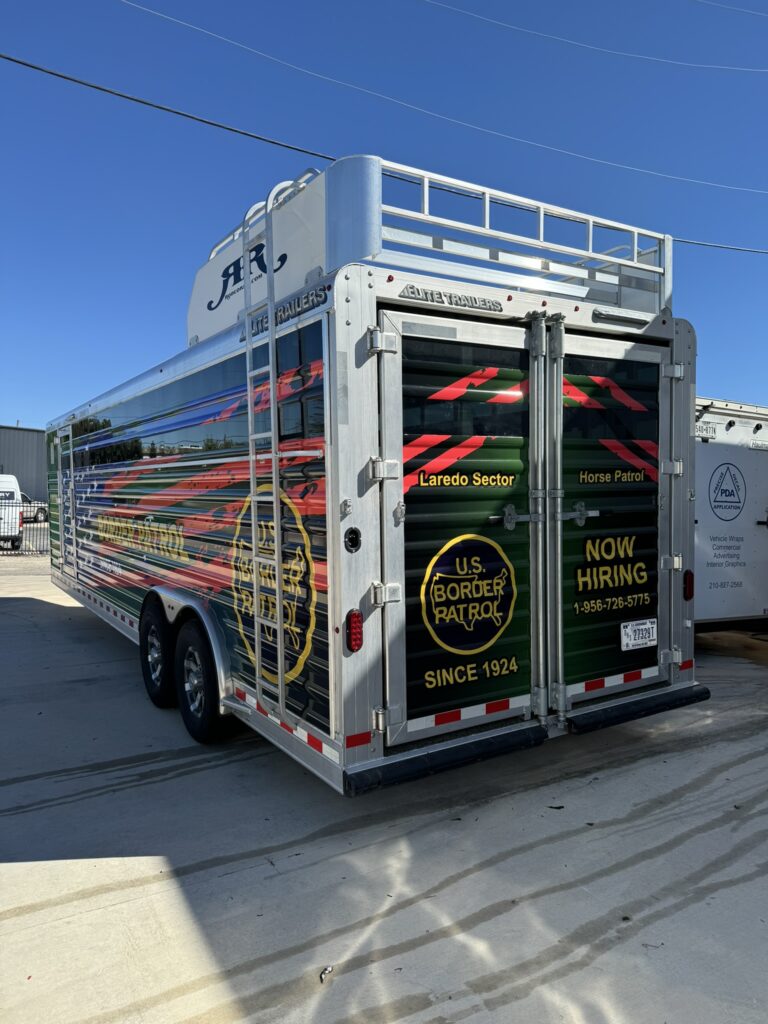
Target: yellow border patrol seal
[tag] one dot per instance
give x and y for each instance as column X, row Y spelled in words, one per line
column 298, row 573
column 468, row 594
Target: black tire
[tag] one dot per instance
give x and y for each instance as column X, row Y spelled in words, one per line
column 197, row 687
column 15, row 543
column 156, row 652
column 41, row 515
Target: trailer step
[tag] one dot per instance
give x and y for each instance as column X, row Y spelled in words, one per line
column 642, row 707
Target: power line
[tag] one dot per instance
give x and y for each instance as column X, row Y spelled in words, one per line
column 445, row 117
column 719, row 245
column 592, row 46
column 264, row 138
column 736, row 10
column 161, row 106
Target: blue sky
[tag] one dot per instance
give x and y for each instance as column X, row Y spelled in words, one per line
column 108, row 209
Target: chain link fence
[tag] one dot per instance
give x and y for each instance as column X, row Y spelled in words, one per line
column 24, row 528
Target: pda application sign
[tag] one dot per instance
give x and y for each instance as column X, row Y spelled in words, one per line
column 727, row 491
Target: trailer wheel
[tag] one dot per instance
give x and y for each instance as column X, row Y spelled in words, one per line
column 16, row 544
column 196, row 684
column 156, row 652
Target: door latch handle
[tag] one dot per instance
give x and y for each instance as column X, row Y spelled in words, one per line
column 580, row 513
column 512, row 517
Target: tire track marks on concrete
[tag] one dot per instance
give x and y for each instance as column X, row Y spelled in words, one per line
column 428, row 808
column 288, row 990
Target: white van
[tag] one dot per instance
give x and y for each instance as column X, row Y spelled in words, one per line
column 11, row 520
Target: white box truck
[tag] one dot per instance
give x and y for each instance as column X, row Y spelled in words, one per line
column 419, row 490
column 731, row 512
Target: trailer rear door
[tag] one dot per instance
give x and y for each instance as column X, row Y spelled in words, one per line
column 607, row 517
column 455, row 410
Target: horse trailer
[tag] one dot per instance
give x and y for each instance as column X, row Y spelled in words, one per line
column 418, row 491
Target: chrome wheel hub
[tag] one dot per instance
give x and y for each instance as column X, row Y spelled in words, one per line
column 194, row 686
column 154, row 655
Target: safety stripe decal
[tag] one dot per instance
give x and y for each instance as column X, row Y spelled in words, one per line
column 104, row 605
column 604, row 682
column 492, row 707
column 358, row 739
column 314, row 742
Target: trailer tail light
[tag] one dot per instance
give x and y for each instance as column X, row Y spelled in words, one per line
column 688, row 585
column 21, row 521
column 354, row 630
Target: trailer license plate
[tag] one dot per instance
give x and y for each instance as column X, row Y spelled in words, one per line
column 638, row 634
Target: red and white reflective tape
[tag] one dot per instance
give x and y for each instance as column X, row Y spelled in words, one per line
column 606, row 681
column 493, row 707
column 99, row 602
column 306, row 737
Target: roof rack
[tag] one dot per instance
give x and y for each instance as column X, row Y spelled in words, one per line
column 432, row 220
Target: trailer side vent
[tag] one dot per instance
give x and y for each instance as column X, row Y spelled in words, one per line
column 354, row 630
column 688, row 585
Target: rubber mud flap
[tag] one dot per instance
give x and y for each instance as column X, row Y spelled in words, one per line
column 628, row 711
column 439, row 759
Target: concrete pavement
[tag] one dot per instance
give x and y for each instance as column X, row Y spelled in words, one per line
column 609, row 878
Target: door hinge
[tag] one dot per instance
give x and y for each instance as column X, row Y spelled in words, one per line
column 381, row 341
column 580, row 513
column 383, row 718
column 674, row 467
column 673, row 657
column 674, row 370
column 383, row 469
column 673, row 562
column 385, row 593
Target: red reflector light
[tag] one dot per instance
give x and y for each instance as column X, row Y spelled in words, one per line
column 688, row 585
column 354, row 630
column 21, row 521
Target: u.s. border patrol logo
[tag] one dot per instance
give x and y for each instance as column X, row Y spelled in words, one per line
column 468, row 594
column 727, row 491
column 299, row 592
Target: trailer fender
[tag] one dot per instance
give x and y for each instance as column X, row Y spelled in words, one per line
column 179, row 605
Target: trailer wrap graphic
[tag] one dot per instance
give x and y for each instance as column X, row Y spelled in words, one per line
column 467, row 586
column 611, row 468
column 299, row 591
column 161, row 497
column 469, row 574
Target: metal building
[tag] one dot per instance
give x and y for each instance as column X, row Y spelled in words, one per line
column 22, row 453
